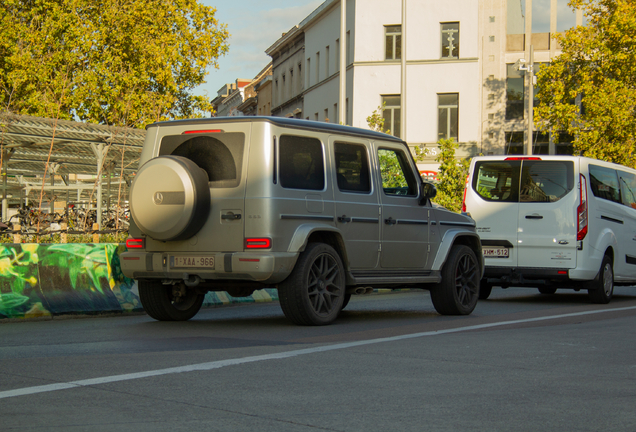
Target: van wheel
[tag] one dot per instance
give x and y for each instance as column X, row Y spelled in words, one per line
column 314, row 292
column 458, row 292
column 169, row 302
column 604, row 285
column 547, row 289
column 484, row 290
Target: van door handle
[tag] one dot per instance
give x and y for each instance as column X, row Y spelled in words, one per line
column 231, row 216
column 390, row 221
column 344, row 219
column 534, row 216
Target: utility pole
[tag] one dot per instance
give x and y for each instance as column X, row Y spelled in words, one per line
column 342, row 113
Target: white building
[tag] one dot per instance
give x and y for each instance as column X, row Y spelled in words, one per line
column 443, row 69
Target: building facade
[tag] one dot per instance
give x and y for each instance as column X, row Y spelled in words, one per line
column 439, row 69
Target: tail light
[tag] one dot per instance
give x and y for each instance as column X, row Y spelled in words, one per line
column 581, row 210
column 133, row 243
column 258, row 243
column 464, row 200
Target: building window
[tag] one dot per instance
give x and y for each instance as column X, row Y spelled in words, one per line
column 337, row 54
column 514, row 93
column 393, row 41
column 327, row 61
column 491, row 38
column 327, row 115
column 308, row 72
column 318, row 67
column 335, row 114
column 450, row 40
column 448, row 116
column 392, row 114
column 492, row 19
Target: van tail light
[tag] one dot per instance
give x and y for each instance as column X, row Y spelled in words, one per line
column 581, row 210
column 464, row 200
column 258, row 243
column 133, row 243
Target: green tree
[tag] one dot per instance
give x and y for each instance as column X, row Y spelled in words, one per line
column 598, row 64
column 118, row 62
column 376, row 120
column 451, row 175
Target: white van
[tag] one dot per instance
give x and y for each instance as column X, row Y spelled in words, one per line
column 554, row 222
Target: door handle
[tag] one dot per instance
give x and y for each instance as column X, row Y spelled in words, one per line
column 231, row 216
column 534, row 216
column 390, row 221
column 344, row 219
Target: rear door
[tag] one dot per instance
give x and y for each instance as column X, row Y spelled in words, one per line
column 548, row 199
column 493, row 202
column 356, row 201
column 220, row 152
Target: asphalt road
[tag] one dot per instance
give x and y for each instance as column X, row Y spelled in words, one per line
column 521, row 362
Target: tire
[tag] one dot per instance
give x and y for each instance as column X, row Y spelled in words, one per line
column 484, row 290
column 170, row 198
column 314, row 292
column 169, row 302
column 347, row 297
column 547, row 289
column 458, row 292
column 603, row 287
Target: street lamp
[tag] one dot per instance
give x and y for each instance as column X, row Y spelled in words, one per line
column 529, row 70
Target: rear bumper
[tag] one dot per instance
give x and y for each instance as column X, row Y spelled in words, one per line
column 530, row 276
column 263, row 267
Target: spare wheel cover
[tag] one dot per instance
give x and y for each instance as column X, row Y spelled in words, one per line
column 170, row 198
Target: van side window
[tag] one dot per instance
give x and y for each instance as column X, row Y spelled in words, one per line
column 352, row 168
column 397, row 177
column 604, row 183
column 219, row 155
column 302, row 163
column 628, row 188
column 497, row 181
column 545, row 181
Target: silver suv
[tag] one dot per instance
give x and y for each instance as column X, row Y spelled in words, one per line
column 317, row 210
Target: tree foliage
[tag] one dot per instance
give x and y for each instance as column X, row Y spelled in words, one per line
column 451, row 175
column 376, row 120
column 118, row 62
column 598, row 64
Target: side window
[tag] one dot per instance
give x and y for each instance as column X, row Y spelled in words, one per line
column 546, row 181
column 219, row 155
column 352, row 168
column 301, row 163
column 628, row 188
column 497, row 180
column 397, row 177
column 604, row 183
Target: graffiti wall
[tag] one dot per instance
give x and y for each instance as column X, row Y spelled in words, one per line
column 44, row 280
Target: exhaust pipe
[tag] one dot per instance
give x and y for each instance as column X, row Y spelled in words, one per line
column 363, row 290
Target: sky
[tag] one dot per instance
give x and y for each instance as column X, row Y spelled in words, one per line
column 254, row 25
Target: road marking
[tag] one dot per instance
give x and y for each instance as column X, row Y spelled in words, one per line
column 283, row 355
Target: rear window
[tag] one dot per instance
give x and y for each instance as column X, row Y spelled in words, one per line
column 497, row 180
column 352, row 168
column 219, row 155
column 546, row 181
column 604, row 183
column 301, row 163
column 523, row 181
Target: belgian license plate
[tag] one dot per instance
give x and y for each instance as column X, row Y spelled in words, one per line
column 495, row 252
column 192, row 261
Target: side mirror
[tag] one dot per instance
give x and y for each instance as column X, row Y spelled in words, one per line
column 429, row 191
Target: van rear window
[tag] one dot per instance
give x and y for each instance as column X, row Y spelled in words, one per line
column 546, row 181
column 302, row 163
column 497, row 180
column 523, row 181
